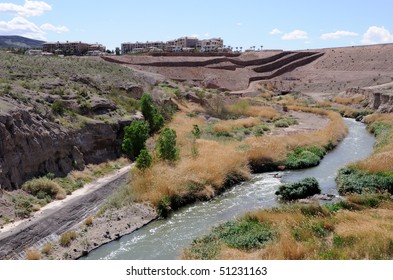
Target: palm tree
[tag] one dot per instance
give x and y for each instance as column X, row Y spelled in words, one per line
column 241, row 48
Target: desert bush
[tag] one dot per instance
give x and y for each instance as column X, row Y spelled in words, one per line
column 33, row 254
column 58, row 107
column 47, row 249
column 42, row 187
column 89, row 221
column 300, row 189
column 66, row 238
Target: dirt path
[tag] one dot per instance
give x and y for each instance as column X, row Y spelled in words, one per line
column 60, row 216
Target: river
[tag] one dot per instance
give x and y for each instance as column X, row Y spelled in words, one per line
column 164, row 239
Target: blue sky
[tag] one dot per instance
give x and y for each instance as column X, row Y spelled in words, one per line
column 272, row 24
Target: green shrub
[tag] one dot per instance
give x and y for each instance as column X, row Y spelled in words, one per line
column 144, row 160
column 166, row 145
column 304, row 157
column 44, row 187
column 354, row 181
column 246, row 234
column 151, row 114
column 300, row 189
column 135, row 136
column 58, row 107
column 281, row 123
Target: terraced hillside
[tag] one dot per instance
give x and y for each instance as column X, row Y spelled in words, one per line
column 226, row 73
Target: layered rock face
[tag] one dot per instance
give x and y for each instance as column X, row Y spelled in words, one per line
column 33, row 146
column 382, row 102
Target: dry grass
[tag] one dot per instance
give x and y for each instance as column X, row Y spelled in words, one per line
column 203, row 176
column 33, row 254
column 89, row 221
column 230, row 125
column 345, row 234
column 47, row 249
column 349, row 100
column 245, row 109
column 93, row 171
column 275, row 148
column 382, row 158
column 66, row 238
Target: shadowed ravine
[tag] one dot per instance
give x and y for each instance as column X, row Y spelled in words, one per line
column 164, row 239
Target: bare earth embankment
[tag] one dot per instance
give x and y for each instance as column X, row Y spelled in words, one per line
column 48, row 224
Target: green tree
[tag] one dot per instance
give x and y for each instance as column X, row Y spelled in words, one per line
column 135, row 136
column 196, row 131
column 151, row 113
column 166, row 145
column 144, row 160
column 117, row 51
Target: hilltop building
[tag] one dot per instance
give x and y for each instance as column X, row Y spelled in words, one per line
column 183, row 44
column 73, row 48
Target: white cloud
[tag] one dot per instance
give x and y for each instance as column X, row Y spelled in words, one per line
column 23, row 27
column 338, row 34
column 29, row 9
column 295, row 35
column 275, row 31
column 239, row 23
column 58, row 29
column 376, row 35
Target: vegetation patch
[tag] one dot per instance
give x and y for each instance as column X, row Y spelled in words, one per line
column 357, row 228
column 304, row 157
column 43, row 187
column 350, row 180
column 300, row 189
column 245, row 234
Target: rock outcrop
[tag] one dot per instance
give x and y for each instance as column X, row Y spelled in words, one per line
column 382, row 102
column 33, row 146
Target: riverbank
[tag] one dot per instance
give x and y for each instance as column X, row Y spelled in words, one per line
column 176, row 232
column 356, row 228
column 40, row 230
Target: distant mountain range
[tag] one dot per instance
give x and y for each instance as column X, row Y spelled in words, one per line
column 19, row 42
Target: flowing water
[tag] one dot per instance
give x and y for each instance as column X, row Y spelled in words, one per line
column 164, row 239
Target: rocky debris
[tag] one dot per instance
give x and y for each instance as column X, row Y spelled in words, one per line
column 104, row 229
column 53, row 84
column 101, row 105
column 194, row 98
column 135, row 91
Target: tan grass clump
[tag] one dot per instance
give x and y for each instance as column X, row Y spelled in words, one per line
column 230, row 125
column 275, row 148
column 349, row 100
column 33, row 254
column 47, row 249
column 44, row 186
column 66, row 238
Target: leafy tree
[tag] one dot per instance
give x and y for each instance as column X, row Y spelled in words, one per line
column 144, row 160
column 151, row 113
column 117, row 51
column 166, row 145
column 135, row 136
